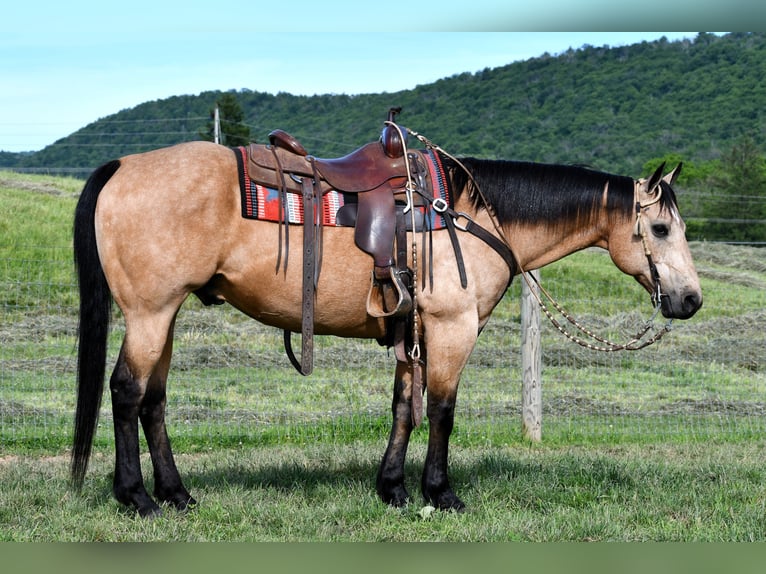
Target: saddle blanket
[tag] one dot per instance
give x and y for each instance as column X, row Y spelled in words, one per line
column 262, row 202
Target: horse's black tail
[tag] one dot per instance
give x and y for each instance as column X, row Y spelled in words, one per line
column 95, row 313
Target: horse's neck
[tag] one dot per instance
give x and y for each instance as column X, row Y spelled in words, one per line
column 536, row 246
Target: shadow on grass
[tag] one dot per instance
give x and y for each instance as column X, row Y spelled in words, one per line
column 552, row 476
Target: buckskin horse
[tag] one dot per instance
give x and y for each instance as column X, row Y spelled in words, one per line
column 152, row 228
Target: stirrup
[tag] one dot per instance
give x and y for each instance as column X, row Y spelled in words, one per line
column 388, row 297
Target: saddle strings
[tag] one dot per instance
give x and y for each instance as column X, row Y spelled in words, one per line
column 283, row 214
column 606, row 346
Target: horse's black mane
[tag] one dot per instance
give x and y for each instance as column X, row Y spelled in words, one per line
column 527, row 192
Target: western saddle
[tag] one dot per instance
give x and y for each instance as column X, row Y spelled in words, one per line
column 373, row 174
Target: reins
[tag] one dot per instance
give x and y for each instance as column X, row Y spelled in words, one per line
column 607, row 346
column 637, row 341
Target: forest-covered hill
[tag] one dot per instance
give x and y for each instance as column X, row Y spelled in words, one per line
column 623, row 110
column 611, row 108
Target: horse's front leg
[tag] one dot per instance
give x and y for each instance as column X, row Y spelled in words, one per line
column 390, row 481
column 448, row 351
column 435, row 484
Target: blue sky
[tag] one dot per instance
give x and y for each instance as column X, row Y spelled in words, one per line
column 66, row 64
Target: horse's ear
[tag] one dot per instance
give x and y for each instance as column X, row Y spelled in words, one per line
column 655, row 179
column 671, row 178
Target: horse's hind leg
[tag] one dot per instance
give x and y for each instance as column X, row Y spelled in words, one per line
column 127, row 394
column 138, row 392
column 167, row 481
column 390, row 481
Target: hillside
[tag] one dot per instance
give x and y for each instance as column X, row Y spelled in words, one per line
column 612, row 108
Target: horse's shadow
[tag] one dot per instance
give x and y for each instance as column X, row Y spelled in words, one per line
column 466, row 475
column 289, row 477
column 306, row 470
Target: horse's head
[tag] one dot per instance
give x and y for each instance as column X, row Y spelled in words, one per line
column 652, row 247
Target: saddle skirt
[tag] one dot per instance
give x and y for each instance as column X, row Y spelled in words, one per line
column 264, row 171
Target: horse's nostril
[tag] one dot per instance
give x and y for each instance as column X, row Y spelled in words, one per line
column 692, row 303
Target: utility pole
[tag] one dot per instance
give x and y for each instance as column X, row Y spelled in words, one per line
column 216, row 126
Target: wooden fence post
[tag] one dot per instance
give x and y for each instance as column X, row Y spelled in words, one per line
column 531, row 388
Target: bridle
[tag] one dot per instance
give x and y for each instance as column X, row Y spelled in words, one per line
column 639, row 230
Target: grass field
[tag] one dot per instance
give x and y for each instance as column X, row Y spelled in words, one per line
column 325, row 492
column 663, row 444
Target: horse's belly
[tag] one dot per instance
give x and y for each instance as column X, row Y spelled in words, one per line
column 275, row 297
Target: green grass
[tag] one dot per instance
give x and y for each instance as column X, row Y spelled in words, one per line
column 324, row 492
column 662, row 444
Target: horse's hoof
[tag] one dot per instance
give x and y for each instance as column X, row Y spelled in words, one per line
column 448, row 500
column 186, row 505
column 396, row 496
column 182, row 501
column 139, row 500
column 149, row 511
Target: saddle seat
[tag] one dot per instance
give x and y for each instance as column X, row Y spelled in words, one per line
column 365, row 169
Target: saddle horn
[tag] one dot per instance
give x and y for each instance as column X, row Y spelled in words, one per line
column 391, row 137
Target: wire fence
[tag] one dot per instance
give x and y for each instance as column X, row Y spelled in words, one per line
column 230, row 380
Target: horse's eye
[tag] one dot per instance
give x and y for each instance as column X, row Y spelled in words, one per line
column 660, row 230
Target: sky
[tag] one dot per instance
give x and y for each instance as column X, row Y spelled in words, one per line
column 64, row 65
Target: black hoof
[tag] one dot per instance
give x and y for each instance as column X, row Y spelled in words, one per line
column 186, row 505
column 181, row 500
column 138, row 499
column 149, row 510
column 447, row 500
column 396, row 496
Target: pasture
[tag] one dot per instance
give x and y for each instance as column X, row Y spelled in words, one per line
column 662, row 444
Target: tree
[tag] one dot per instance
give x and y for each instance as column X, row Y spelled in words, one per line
column 737, row 209
column 233, row 131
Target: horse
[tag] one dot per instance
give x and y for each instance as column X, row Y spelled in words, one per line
column 152, row 228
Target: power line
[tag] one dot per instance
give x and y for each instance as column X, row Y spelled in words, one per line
column 725, row 220
column 154, row 120
column 124, row 134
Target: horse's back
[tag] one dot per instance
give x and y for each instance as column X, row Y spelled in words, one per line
column 180, row 177
column 186, row 162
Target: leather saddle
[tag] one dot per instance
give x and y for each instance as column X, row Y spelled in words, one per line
column 373, row 174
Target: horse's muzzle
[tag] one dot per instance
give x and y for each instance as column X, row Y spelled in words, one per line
column 682, row 307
